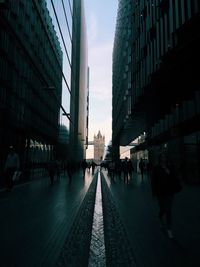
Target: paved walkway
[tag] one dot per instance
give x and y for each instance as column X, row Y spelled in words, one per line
column 151, row 247
column 44, row 225
column 35, row 219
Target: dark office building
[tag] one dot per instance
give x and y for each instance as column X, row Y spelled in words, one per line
column 156, row 81
column 79, row 85
column 30, row 81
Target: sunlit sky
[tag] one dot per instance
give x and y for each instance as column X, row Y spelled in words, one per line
column 100, row 21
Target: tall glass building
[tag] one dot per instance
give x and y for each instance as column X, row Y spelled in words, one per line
column 42, row 52
column 30, row 81
column 156, row 85
column 71, row 31
column 80, row 85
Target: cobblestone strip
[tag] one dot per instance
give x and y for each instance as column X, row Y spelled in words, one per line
column 118, row 248
column 97, row 246
column 75, row 252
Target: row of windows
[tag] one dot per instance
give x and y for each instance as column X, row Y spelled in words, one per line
column 26, row 98
column 25, row 12
column 40, row 52
column 155, row 34
column 66, row 33
column 178, row 12
column 179, row 114
column 153, row 26
column 122, row 59
column 24, row 115
column 21, row 78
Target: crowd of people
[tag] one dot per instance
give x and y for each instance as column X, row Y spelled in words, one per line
column 125, row 168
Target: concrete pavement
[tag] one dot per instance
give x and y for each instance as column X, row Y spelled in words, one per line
column 138, row 211
column 44, row 225
column 35, row 219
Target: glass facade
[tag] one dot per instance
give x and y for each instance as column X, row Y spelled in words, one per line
column 80, row 85
column 156, row 82
column 30, row 80
column 70, row 15
column 43, row 76
column 62, row 17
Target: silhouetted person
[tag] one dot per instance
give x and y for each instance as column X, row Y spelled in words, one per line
column 70, row 171
column 93, row 166
column 125, row 169
column 88, row 166
column 119, row 168
column 130, row 168
column 52, row 169
column 112, row 170
column 58, row 169
column 84, row 166
column 11, row 165
column 165, row 184
column 142, row 167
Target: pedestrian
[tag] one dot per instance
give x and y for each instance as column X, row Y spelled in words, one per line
column 52, row 169
column 142, row 167
column 84, row 166
column 70, row 171
column 130, row 168
column 119, row 168
column 89, row 166
column 58, row 169
column 165, row 183
column 93, row 166
column 125, row 170
column 11, row 166
column 112, row 170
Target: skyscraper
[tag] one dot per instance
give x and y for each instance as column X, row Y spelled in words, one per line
column 79, row 85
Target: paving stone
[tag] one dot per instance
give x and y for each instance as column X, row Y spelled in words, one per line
column 118, row 248
column 76, row 249
column 97, row 247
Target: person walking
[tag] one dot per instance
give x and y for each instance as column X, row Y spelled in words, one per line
column 52, row 169
column 93, row 164
column 11, row 166
column 84, row 166
column 165, row 184
column 58, row 169
column 130, row 168
column 142, row 167
column 70, row 171
column 125, row 169
column 112, row 170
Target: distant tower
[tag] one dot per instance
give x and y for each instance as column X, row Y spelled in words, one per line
column 99, row 143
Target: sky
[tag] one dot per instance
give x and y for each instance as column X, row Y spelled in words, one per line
column 100, row 21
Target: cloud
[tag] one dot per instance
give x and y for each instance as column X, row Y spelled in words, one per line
column 100, row 44
column 100, row 63
column 92, row 28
